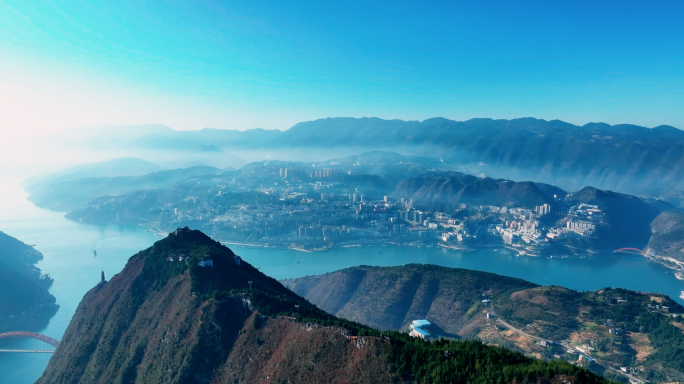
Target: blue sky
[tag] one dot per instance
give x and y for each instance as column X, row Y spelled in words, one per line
column 271, row 64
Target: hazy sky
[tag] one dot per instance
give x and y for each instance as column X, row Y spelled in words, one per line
column 250, row 64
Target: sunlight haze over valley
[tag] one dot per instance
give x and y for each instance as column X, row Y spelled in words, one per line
column 341, row 192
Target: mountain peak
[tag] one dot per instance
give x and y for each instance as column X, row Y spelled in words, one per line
column 185, row 234
column 167, row 319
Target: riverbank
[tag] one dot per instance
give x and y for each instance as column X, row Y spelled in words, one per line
column 267, row 246
column 669, row 263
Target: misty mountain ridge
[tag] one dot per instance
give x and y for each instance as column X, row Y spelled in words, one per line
column 623, row 157
column 384, row 157
column 165, row 143
column 71, row 194
column 125, row 166
column 108, row 136
column 334, row 131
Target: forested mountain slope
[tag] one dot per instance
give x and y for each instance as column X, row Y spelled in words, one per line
column 25, row 303
column 391, row 297
column 170, row 320
column 644, row 336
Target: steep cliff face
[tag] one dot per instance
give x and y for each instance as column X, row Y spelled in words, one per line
column 152, row 324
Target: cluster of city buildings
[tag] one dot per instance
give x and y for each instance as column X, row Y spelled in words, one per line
column 334, row 218
column 522, row 227
column 317, row 208
column 330, row 218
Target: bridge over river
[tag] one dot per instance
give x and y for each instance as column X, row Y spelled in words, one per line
column 631, row 250
column 31, row 335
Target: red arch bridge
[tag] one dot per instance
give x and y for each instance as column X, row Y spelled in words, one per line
column 631, row 249
column 30, row 335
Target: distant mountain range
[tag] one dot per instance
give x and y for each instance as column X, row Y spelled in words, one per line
column 125, row 166
column 70, row 194
column 625, row 158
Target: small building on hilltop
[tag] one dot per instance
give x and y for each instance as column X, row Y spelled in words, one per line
column 420, row 332
column 416, row 329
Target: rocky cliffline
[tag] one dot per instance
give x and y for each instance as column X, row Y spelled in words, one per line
column 187, row 310
column 151, row 324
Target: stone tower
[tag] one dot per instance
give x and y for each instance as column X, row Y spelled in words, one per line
column 102, row 277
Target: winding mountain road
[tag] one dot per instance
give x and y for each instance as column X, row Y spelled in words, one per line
column 631, row 378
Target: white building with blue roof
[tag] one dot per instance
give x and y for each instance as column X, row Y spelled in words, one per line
column 417, row 329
